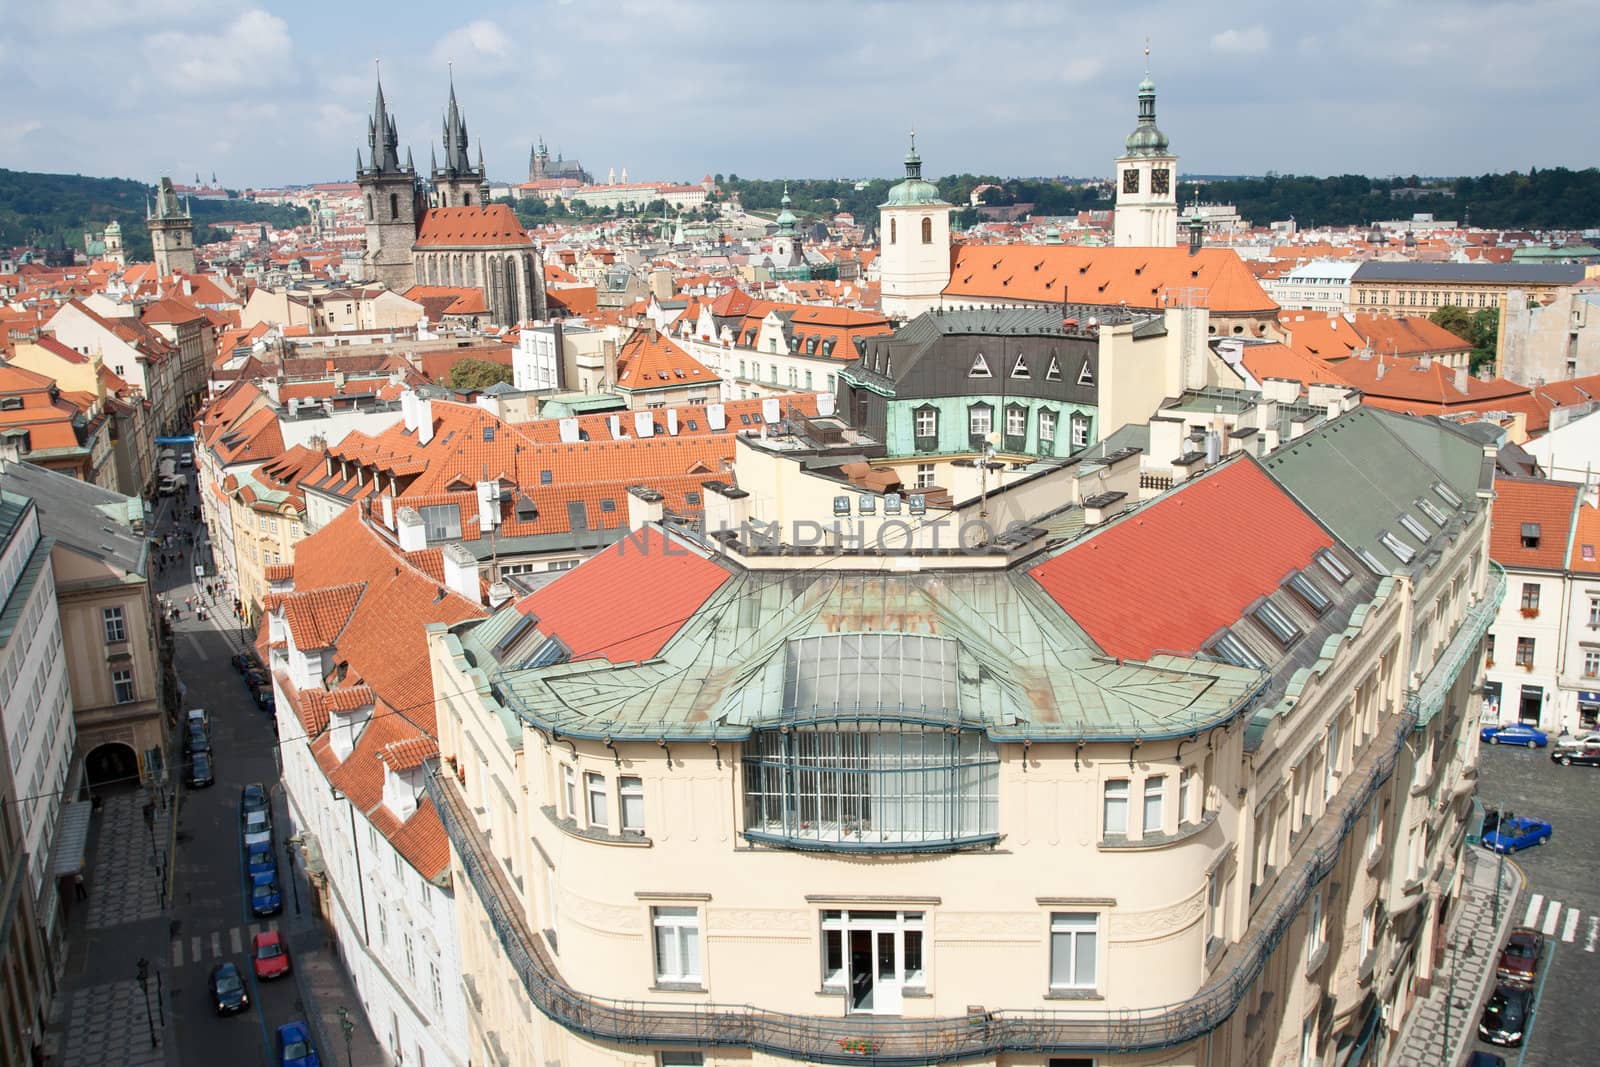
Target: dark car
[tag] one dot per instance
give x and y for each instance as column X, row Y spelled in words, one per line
column 1520, row 959
column 228, row 994
column 265, row 700
column 265, row 899
column 295, row 1048
column 245, row 661
column 1585, row 752
column 257, row 679
column 201, row 773
column 252, row 797
column 1485, row 1059
column 195, row 738
column 1507, row 1015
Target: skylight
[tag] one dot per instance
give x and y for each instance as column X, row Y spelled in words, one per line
column 1447, row 494
column 1309, row 594
column 1276, row 623
column 1402, row 551
column 1334, row 566
column 1428, row 508
column 1414, row 528
column 1230, row 649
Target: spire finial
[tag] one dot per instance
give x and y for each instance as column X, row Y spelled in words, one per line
column 913, row 139
column 1147, row 55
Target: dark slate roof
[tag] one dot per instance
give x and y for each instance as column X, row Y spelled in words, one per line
column 1471, row 273
column 83, row 516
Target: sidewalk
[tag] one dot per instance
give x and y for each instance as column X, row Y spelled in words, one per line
column 100, row 1016
column 1468, row 970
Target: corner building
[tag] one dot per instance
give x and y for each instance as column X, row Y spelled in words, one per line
column 1185, row 784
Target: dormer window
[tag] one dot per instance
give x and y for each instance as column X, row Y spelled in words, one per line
column 1019, row 369
column 980, row 367
column 1230, row 649
column 1402, row 551
column 1275, row 622
column 1530, row 535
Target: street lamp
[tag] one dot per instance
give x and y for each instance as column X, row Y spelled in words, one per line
column 144, row 987
column 349, row 1028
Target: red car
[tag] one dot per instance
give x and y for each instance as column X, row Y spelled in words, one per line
column 1520, row 959
column 269, row 955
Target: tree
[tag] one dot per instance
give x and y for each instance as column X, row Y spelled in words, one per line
column 478, row 374
column 1457, row 320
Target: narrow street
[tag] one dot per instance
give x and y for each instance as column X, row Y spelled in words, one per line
column 101, row 1018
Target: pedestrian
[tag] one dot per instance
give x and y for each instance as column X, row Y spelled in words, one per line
column 79, row 890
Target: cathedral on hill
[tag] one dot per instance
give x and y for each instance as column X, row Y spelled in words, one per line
column 444, row 232
column 542, row 168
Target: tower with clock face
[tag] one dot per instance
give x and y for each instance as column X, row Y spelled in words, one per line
column 1147, row 180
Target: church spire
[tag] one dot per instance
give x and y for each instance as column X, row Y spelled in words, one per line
column 382, row 135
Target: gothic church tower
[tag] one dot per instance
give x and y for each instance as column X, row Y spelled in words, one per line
column 458, row 183
column 389, row 193
column 171, row 232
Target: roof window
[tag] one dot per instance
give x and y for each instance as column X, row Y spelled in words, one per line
column 1309, row 594
column 980, row 367
column 1334, row 566
column 1428, row 508
column 1414, row 528
column 549, row 651
column 1447, row 494
column 1402, row 551
column 1530, row 535
column 546, row 477
column 488, row 433
column 1371, row 562
column 1230, row 649
column 608, row 504
column 1276, row 623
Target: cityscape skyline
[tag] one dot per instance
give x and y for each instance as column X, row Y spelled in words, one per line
column 189, row 75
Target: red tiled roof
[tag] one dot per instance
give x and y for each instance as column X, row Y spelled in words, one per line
column 410, row 753
column 596, row 610
column 317, row 617
column 492, row 225
column 278, row 572
column 1139, row 277
column 1585, row 556
column 649, row 360
column 423, row 842
column 1172, row 574
column 1552, row 505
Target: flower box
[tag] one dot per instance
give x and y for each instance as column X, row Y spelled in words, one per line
column 860, row 1046
column 1530, row 613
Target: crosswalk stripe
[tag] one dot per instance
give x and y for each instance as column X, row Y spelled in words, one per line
column 273, row 925
column 1570, row 931
column 1533, row 910
column 194, row 947
column 177, row 953
column 216, row 943
column 1551, row 916
column 234, row 942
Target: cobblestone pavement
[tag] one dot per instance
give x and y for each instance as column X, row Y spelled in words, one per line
column 125, row 848
column 102, row 1033
column 1441, row 1025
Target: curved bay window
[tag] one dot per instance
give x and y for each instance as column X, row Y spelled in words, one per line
column 881, row 785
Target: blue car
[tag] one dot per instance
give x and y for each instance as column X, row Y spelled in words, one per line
column 295, row 1048
column 265, row 899
column 261, row 859
column 1512, row 833
column 1517, row 733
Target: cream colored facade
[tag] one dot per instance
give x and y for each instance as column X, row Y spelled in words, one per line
column 264, row 535
column 1261, row 886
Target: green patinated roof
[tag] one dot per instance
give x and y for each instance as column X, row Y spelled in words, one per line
column 763, row 647
column 1360, row 472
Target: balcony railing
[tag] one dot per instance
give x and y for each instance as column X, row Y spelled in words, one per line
column 1428, row 698
column 857, row 1038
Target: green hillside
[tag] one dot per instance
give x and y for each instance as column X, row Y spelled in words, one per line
column 49, row 209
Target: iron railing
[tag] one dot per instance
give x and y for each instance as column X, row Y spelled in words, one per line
column 1428, row 698
column 855, row 1038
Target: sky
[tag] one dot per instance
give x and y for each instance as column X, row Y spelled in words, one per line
column 276, row 93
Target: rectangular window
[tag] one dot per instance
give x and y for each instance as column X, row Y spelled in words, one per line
column 1530, row 597
column 980, row 421
column 927, row 423
column 1155, row 795
column 115, row 624
column 433, row 982
column 411, row 958
column 1314, row 923
column 1331, row 762
column 1334, row 566
column 1016, row 422
column 595, row 786
column 1591, row 662
column 1185, row 795
column 1080, row 432
column 1073, row 949
column 569, row 789
column 1047, row 427
column 442, row 522
column 1594, row 611
column 677, row 933
column 678, row 1058
column 1525, row 652
column 122, row 684
column 925, row 476
column 1116, row 815
column 1216, row 924
column 1276, row 623
column 632, row 792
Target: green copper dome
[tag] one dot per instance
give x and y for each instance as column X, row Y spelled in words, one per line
column 786, row 219
column 1146, row 138
column 913, row 192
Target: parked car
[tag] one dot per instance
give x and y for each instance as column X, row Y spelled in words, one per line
column 295, row 1048
column 1516, row 733
column 228, row 994
column 266, row 701
column 252, row 797
column 195, row 739
column 1506, row 1016
column 245, row 661
column 201, row 772
column 1567, row 752
column 257, row 829
column 1519, row 961
column 254, row 679
column 265, row 899
column 269, row 955
column 260, row 858
column 199, row 716
column 1485, row 1059
column 1513, row 833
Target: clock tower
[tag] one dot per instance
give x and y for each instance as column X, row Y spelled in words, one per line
column 1147, row 182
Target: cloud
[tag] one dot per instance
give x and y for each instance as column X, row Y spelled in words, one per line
column 1242, row 42
column 255, row 49
column 481, row 45
column 1077, row 71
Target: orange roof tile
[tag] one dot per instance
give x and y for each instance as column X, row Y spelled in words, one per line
column 1552, row 506
column 1138, row 277
column 649, row 360
column 490, row 225
column 317, row 617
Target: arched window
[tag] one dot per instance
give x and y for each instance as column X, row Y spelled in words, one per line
column 370, row 214
column 394, row 206
column 894, row 230
column 466, row 199
column 472, row 272
column 927, row 230
column 513, row 292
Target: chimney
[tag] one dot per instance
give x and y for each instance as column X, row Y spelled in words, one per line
column 461, row 572
column 644, row 505
column 408, row 408
column 609, row 347
column 1461, row 380
column 413, row 533
column 424, row 421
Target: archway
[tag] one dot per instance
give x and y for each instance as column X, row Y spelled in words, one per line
column 112, row 765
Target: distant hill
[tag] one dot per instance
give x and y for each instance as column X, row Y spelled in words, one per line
column 51, row 209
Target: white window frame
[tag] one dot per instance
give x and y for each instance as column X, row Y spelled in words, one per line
column 1117, row 794
column 631, row 788
column 1185, row 796
column 980, row 415
column 676, row 928
column 1047, row 427
column 1016, row 421
column 115, row 625
column 596, row 805
column 1314, row 924
column 123, row 676
column 1073, row 926
column 927, row 475
column 925, row 422
column 1155, row 803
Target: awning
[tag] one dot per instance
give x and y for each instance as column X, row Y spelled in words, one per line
column 72, row 837
column 177, row 442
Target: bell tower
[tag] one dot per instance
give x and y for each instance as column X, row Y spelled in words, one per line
column 1147, row 180
column 913, row 243
column 458, row 183
column 389, row 197
column 171, row 232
